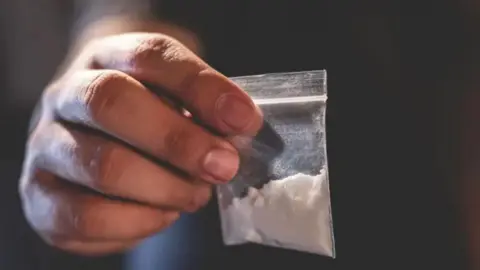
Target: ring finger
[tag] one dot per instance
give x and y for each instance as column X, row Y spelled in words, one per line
column 112, row 169
column 122, row 107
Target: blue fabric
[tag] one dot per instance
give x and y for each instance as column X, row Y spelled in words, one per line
column 177, row 248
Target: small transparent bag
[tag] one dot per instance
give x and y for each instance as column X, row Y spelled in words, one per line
column 280, row 196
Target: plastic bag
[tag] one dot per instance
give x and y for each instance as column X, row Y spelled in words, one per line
column 280, row 196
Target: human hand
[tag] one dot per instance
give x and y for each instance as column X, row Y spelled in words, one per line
column 110, row 162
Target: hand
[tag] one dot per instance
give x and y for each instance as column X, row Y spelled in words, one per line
column 111, row 162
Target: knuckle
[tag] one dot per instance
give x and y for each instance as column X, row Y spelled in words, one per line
column 86, row 221
column 155, row 48
column 40, row 143
column 86, row 58
column 40, row 136
column 187, row 81
column 35, row 139
column 175, row 144
column 27, row 198
column 23, row 187
column 82, row 226
column 42, row 212
column 110, row 166
column 103, row 94
column 26, row 184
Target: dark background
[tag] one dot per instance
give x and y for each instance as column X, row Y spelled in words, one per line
column 397, row 73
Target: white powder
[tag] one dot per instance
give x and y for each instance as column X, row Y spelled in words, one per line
column 293, row 212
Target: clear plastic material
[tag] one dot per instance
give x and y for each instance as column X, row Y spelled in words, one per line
column 281, row 197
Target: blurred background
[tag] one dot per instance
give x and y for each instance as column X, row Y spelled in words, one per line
column 35, row 36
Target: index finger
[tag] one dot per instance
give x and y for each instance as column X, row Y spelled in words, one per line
column 164, row 62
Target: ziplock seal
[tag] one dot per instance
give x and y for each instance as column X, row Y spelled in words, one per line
column 280, row 196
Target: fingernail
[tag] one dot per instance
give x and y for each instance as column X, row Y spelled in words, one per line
column 234, row 111
column 221, row 164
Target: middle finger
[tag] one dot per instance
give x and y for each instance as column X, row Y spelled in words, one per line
column 122, row 107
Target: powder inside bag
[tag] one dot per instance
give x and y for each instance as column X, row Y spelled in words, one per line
column 291, row 212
